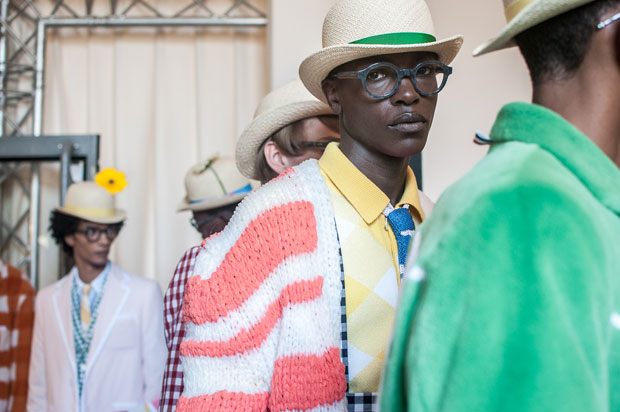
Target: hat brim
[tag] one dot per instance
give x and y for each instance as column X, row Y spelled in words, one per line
column 209, row 204
column 315, row 68
column 119, row 216
column 531, row 15
column 267, row 124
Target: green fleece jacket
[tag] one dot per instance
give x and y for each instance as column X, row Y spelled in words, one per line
column 512, row 301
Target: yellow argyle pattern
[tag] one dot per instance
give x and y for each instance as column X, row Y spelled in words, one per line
column 371, row 291
column 370, row 257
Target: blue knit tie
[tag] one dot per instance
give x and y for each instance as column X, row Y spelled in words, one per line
column 402, row 225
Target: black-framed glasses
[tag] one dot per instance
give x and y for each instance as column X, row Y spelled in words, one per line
column 93, row 234
column 381, row 80
column 318, row 145
column 607, row 22
column 197, row 223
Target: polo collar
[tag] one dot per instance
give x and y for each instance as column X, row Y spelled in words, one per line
column 531, row 123
column 365, row 197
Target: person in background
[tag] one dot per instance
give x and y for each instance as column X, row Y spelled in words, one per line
column 213, row 188
column 291, row 305
column 513, row 295
column 290, row 125
column 98, row 340
column 16, row 322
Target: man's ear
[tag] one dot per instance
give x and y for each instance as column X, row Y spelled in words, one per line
column 70, row 239
column 275, row 158
column 330, row 90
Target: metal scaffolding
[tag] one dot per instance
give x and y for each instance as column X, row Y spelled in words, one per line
column 22, row 65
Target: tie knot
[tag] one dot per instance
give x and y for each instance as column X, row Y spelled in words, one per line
column 401, row 221
column 87, row 289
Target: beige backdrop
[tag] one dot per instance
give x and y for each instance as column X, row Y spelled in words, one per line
column 164, row 99
column 161, row 99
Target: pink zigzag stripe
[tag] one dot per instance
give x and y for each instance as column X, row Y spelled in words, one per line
column 208, row 300
column 253, row 337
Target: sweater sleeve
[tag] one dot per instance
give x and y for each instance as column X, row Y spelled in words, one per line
column 508, row 311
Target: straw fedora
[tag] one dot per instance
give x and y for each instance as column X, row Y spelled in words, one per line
column 89, row 201
column 524, row 14
column 354, row 29
column 281, row 107
column 213, row 183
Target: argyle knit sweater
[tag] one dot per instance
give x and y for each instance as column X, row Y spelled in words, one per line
column 262, row 312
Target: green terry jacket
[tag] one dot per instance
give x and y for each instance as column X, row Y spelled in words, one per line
column 513, row 301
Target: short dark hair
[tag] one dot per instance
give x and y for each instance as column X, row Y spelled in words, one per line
column 289, row 139
column 555, row 48
column 62, row 225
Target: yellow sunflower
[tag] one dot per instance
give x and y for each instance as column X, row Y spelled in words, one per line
column 111, row 179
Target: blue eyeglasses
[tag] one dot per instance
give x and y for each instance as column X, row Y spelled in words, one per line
column 381, row 80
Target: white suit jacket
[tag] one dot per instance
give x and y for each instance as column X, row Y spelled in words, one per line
column 125, row 363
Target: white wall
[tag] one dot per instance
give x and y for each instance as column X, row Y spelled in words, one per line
column 474, row 94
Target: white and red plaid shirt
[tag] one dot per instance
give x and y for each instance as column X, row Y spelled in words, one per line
column 172, row 387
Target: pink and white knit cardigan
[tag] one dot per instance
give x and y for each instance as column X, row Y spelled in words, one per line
column 262, row 313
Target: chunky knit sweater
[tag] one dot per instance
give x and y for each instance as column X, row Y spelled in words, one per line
column 262, row 313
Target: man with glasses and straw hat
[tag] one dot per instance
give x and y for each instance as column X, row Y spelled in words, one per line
column 98, row 342
column 293, row 301
column 512, row 301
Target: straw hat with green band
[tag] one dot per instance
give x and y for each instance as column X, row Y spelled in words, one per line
column 524, row 14
column 354, row 29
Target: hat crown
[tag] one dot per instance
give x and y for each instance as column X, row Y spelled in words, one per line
column 352, row 20
column 213, row 179
column 291, row 93
column 89, row 196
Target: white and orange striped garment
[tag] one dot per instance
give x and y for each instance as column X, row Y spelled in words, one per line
column 262, row 313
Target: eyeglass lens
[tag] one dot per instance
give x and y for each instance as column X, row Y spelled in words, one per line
column 383, row 79
column 93, row 234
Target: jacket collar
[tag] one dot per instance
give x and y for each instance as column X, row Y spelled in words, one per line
column 531, row 123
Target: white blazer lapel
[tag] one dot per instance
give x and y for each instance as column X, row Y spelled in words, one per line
column 62, row 314
column 115, row 295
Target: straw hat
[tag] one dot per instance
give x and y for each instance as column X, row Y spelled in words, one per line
column 524, row 14
column 89, row 201
column 354, row 29
column 278, row 109
column 213, row 183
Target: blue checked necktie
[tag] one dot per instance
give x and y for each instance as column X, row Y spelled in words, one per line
column 402, row 225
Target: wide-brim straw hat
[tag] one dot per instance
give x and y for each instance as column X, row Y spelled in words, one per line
column 213, row 183
column 524, row 14
column 91, row 202
column 354, row 29
column 281, row 107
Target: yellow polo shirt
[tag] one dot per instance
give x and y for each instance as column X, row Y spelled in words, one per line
column 367, row 199
column 370, row 259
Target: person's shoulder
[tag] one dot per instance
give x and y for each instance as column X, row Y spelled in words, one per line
column 133, row 280
column 46, row 293
column 511, row 170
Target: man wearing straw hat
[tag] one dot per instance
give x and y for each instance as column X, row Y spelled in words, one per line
column 513, row 301
column 290, row 125
column 214, row 187
column 293, row 302
column 98, row 341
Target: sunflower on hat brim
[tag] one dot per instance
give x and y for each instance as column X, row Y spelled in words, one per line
column 354, row 29
column 525, row 14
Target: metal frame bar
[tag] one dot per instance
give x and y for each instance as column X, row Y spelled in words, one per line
column 36, row 149
column 24, row 59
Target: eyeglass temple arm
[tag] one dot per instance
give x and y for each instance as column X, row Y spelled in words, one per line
column 607, row 22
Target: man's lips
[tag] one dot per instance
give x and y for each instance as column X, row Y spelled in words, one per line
column 408, row 122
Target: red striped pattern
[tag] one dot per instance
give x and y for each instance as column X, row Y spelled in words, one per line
column 224, row 401
column 207, row 300
column 253, row 337
column 307, row 381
